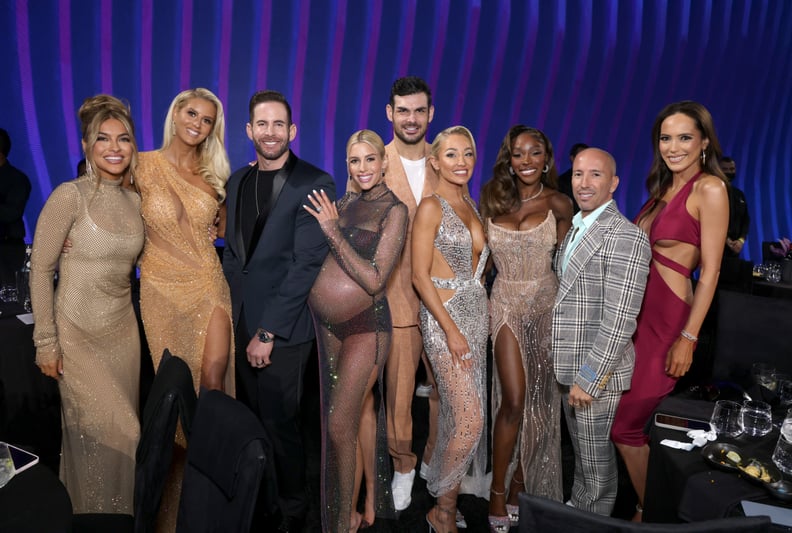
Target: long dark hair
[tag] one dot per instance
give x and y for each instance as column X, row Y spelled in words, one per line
column 660, row 175
column 499, row 195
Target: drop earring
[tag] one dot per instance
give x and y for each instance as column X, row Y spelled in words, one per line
column 703, row 158
column 511, row 170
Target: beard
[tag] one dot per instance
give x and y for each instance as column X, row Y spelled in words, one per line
column 418, row 138
column 274, row 154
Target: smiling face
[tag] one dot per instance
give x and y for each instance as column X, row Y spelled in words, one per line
column 271, row 132
column 528, row 158
column 411, row 116
column 454, row 160
column 194, row 121
column 681, row 144
column 594, row 179
column 111, row 154
column 365, row 165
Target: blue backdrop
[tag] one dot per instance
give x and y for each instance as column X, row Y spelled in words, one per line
column 595, row 71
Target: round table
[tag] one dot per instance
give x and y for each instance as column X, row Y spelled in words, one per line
column 35, row 501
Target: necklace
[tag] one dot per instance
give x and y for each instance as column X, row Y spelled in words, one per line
column 541, row 188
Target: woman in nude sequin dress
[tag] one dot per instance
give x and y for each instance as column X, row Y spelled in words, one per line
column 86, row 333
column 184, row 297
column 353, row 330
column 526, row 217
column 185, row 302
column 449, row 252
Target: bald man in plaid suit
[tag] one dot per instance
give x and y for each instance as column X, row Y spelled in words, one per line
column 602, row 264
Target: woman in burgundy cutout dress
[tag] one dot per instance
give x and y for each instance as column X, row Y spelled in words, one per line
column 686, row 218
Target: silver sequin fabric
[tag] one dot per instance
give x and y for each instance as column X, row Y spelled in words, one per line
column 461, row 440
column 91, row 322
column 522, row 300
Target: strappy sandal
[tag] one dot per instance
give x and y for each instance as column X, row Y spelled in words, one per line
column 445, row 511
column 499, row 524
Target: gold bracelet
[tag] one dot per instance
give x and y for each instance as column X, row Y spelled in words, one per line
column 688, row 336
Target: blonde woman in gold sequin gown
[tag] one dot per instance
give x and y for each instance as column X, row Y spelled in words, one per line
column 353, row 329
column 526, row 217
column 449, row 252
column 86, row 333
column 184, row 298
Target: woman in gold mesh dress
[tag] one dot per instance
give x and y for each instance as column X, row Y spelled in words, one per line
column 353, row 329
column 185, row 303
column 86, row 333
column 525, row 218
column 449, row 252
column 184, row 299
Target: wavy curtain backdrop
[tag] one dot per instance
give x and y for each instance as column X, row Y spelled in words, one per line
column 581, row 70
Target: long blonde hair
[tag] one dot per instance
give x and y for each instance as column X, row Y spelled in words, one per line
column 213, row 160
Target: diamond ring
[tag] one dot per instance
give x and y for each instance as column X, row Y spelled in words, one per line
column 467, row 356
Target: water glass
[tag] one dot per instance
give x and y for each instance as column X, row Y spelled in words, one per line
column 782, row 455
column 726, row 418
column 8, row 293
column 23, row 289
column 762, row 374
column 773, row 272
column 756, row 420
column 6, row 465
column 784, row 390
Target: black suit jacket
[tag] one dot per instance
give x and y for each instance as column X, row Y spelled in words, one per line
column 271, row 286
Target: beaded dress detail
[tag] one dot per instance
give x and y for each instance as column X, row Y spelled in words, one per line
column 181, row 280
column 353, row 331
column 522, row 300
column 90, row 320
column 461, row 443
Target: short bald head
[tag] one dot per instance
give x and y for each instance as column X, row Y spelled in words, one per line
column 594, row 179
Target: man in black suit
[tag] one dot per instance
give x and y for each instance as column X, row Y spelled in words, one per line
column 274, row 250
column 14, row 193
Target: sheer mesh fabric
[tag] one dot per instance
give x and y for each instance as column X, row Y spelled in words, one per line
column 522, row 300
column 353, row 326
column 461, row 445
column 90, row 321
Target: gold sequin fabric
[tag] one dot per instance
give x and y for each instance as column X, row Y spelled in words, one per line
column 461, row 444
column 181, row 280
column 522, row 300
column 353, row 330
column 91, row 322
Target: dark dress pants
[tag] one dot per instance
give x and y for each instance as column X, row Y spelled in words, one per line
column 273, row 394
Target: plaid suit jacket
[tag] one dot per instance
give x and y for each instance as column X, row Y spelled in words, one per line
column 599, row 297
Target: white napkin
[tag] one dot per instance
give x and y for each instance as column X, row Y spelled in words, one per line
column 699, row 436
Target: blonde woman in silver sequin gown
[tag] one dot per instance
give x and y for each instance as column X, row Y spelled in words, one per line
column 449, row 252
column 526, row 217
column 353, row 329
column 86, row 333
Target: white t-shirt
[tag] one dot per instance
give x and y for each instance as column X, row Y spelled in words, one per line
column 416, row 175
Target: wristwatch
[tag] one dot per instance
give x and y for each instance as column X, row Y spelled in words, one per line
column 264, row 336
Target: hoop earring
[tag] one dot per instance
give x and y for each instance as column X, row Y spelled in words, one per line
column 511, row 170
column 703, row 158
column 546, row 168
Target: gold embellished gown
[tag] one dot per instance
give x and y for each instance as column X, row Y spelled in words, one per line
column 181, row 280
column 522, row 300
column 89, row 319
column 353, row 331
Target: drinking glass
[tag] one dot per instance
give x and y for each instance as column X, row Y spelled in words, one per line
column 756, row 420
column 762, row 374
column 8, row 292
column 726, row 418
column 782, row 455
column 784, row 390
column 6, row 465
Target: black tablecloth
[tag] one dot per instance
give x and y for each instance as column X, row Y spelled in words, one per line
column 30, row 403
column 35, row 501
column 682, row 486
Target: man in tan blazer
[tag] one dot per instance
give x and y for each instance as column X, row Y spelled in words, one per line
column 410, row 177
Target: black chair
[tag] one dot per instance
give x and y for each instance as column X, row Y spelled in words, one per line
column 538, row 515
column 228, row 455
column 172, row 396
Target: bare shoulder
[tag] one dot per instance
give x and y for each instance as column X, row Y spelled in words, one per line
column 560, row 203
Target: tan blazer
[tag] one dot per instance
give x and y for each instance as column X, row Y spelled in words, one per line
column 402, row 298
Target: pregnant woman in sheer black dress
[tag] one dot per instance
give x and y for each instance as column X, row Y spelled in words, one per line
column 353, row 330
